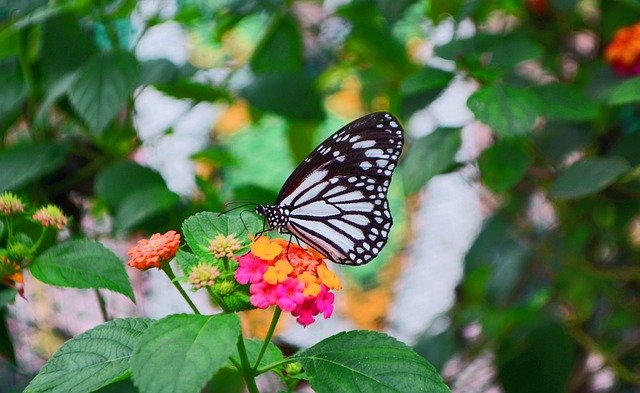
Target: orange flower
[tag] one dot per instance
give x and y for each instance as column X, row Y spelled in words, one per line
column 277, row 273
column 154, row 252
column 328, row 278
column 265, row 249
column 311, row 285
column 623, row 52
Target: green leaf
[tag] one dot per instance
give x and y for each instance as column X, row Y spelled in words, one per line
column 143, row 204
column 564, row 102
column 195, row 91
column 498, row 176
column 506, row 109
column 180, row 353
column 187, row 261
column 201, row 228
column 587, row 176
column 14, row 88
column 103, row 86
column 626, row 92
column 536, row 359
column 82, row 263
column 25, row 163
column 92, row 359
column 429, row 156
column 557, row 140
column 289, row 94
column 510, row 51
column 421, row 87
column 116, row 182
column 160, row 71
column 367, row 361
column 280, row 49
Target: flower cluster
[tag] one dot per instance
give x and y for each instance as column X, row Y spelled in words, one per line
column 203, row 275
column 154, row 252
column 10, row 204
column 50, row 216
column 224, row 246
column 284, row 274
column 623, row 52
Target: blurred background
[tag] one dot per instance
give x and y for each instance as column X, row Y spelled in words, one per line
column 513, row 263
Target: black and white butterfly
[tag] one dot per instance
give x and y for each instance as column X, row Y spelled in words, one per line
column 336, row 200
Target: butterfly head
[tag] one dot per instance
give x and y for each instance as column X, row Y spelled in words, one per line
column 276, row 216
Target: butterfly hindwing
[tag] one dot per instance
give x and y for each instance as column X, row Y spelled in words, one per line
column 336, row 200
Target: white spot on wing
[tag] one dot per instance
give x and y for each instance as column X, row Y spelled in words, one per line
column 363, row 144
column 350, row 196
column 315, row 209
column 365, row 165
column 314, row 178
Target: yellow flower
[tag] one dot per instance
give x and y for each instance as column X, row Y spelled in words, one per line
column 277, row 273
column 328, row 278
column 311, row 286
column 265, row 249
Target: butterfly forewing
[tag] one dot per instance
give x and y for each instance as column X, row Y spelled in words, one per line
column 336, row 200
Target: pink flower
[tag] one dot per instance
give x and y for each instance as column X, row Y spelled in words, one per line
column 324, row 302
column 250, row 269
column 289, row 294
column 263, row 295
column 306, row 311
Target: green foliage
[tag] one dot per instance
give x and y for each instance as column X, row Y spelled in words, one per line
column 391, row 366
column 587, row 176
column 82, row 264
column 508, row 110
column 95, row 358
column 498, row 176
column 28, row 162
column 182, row 352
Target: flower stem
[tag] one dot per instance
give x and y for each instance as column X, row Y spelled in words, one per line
column 267, row 339
column 247, row 372
column 218, row 299
column 103, row 305
column 172, row 277
column 274, row 365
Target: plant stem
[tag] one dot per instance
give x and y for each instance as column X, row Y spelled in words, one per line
column 274, row 365
column 247, row 372
column 103, row 305
column 219, row 301
column 267, row 339
column 166, row 267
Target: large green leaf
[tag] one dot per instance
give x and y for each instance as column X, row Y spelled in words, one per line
column 92, row 359
column 14, row 88
column 498, row 176
column 506, row 109
column 367, row 361
column 626, row 92
column 114, row 183
column 82, row 264
column 180, row 353
column 201, row 228
column 421, row 87
column 25, row 163
column 143, row 204
column 564, row 102
column 272, row 354
column 103, row 87
column 280, row 49
column 587, row 176
column 289, row 94
column 429, row 156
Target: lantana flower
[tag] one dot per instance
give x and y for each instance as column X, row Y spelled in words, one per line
column 224, row 246
column 50, row 216
column 155, row 251
column 203, row 275
column 286, row 275
column 623, row 52
column 10, row 204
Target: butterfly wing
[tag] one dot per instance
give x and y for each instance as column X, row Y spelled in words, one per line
column 336, row 200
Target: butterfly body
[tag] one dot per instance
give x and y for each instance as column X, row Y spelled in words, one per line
column 336, row 200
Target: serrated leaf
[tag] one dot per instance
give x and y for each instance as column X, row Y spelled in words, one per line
column 103, row 86
column 186, row 261
column 25, row 163
column 366, row 361
column 144, row 203
column 498, row 176
column 429, row 156
column 201, row 228
column 626, row 92
column 564, row 102
column 506, row 109
column 82, row 263
column 587, row 176
column 180, row 353
column 92, row 359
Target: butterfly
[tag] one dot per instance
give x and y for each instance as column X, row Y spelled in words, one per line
column 336, row 199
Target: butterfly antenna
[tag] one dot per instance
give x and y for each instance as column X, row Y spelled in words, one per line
column 237, row 207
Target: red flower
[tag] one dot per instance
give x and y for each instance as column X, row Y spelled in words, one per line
column 154, row 252
column 623, row 52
